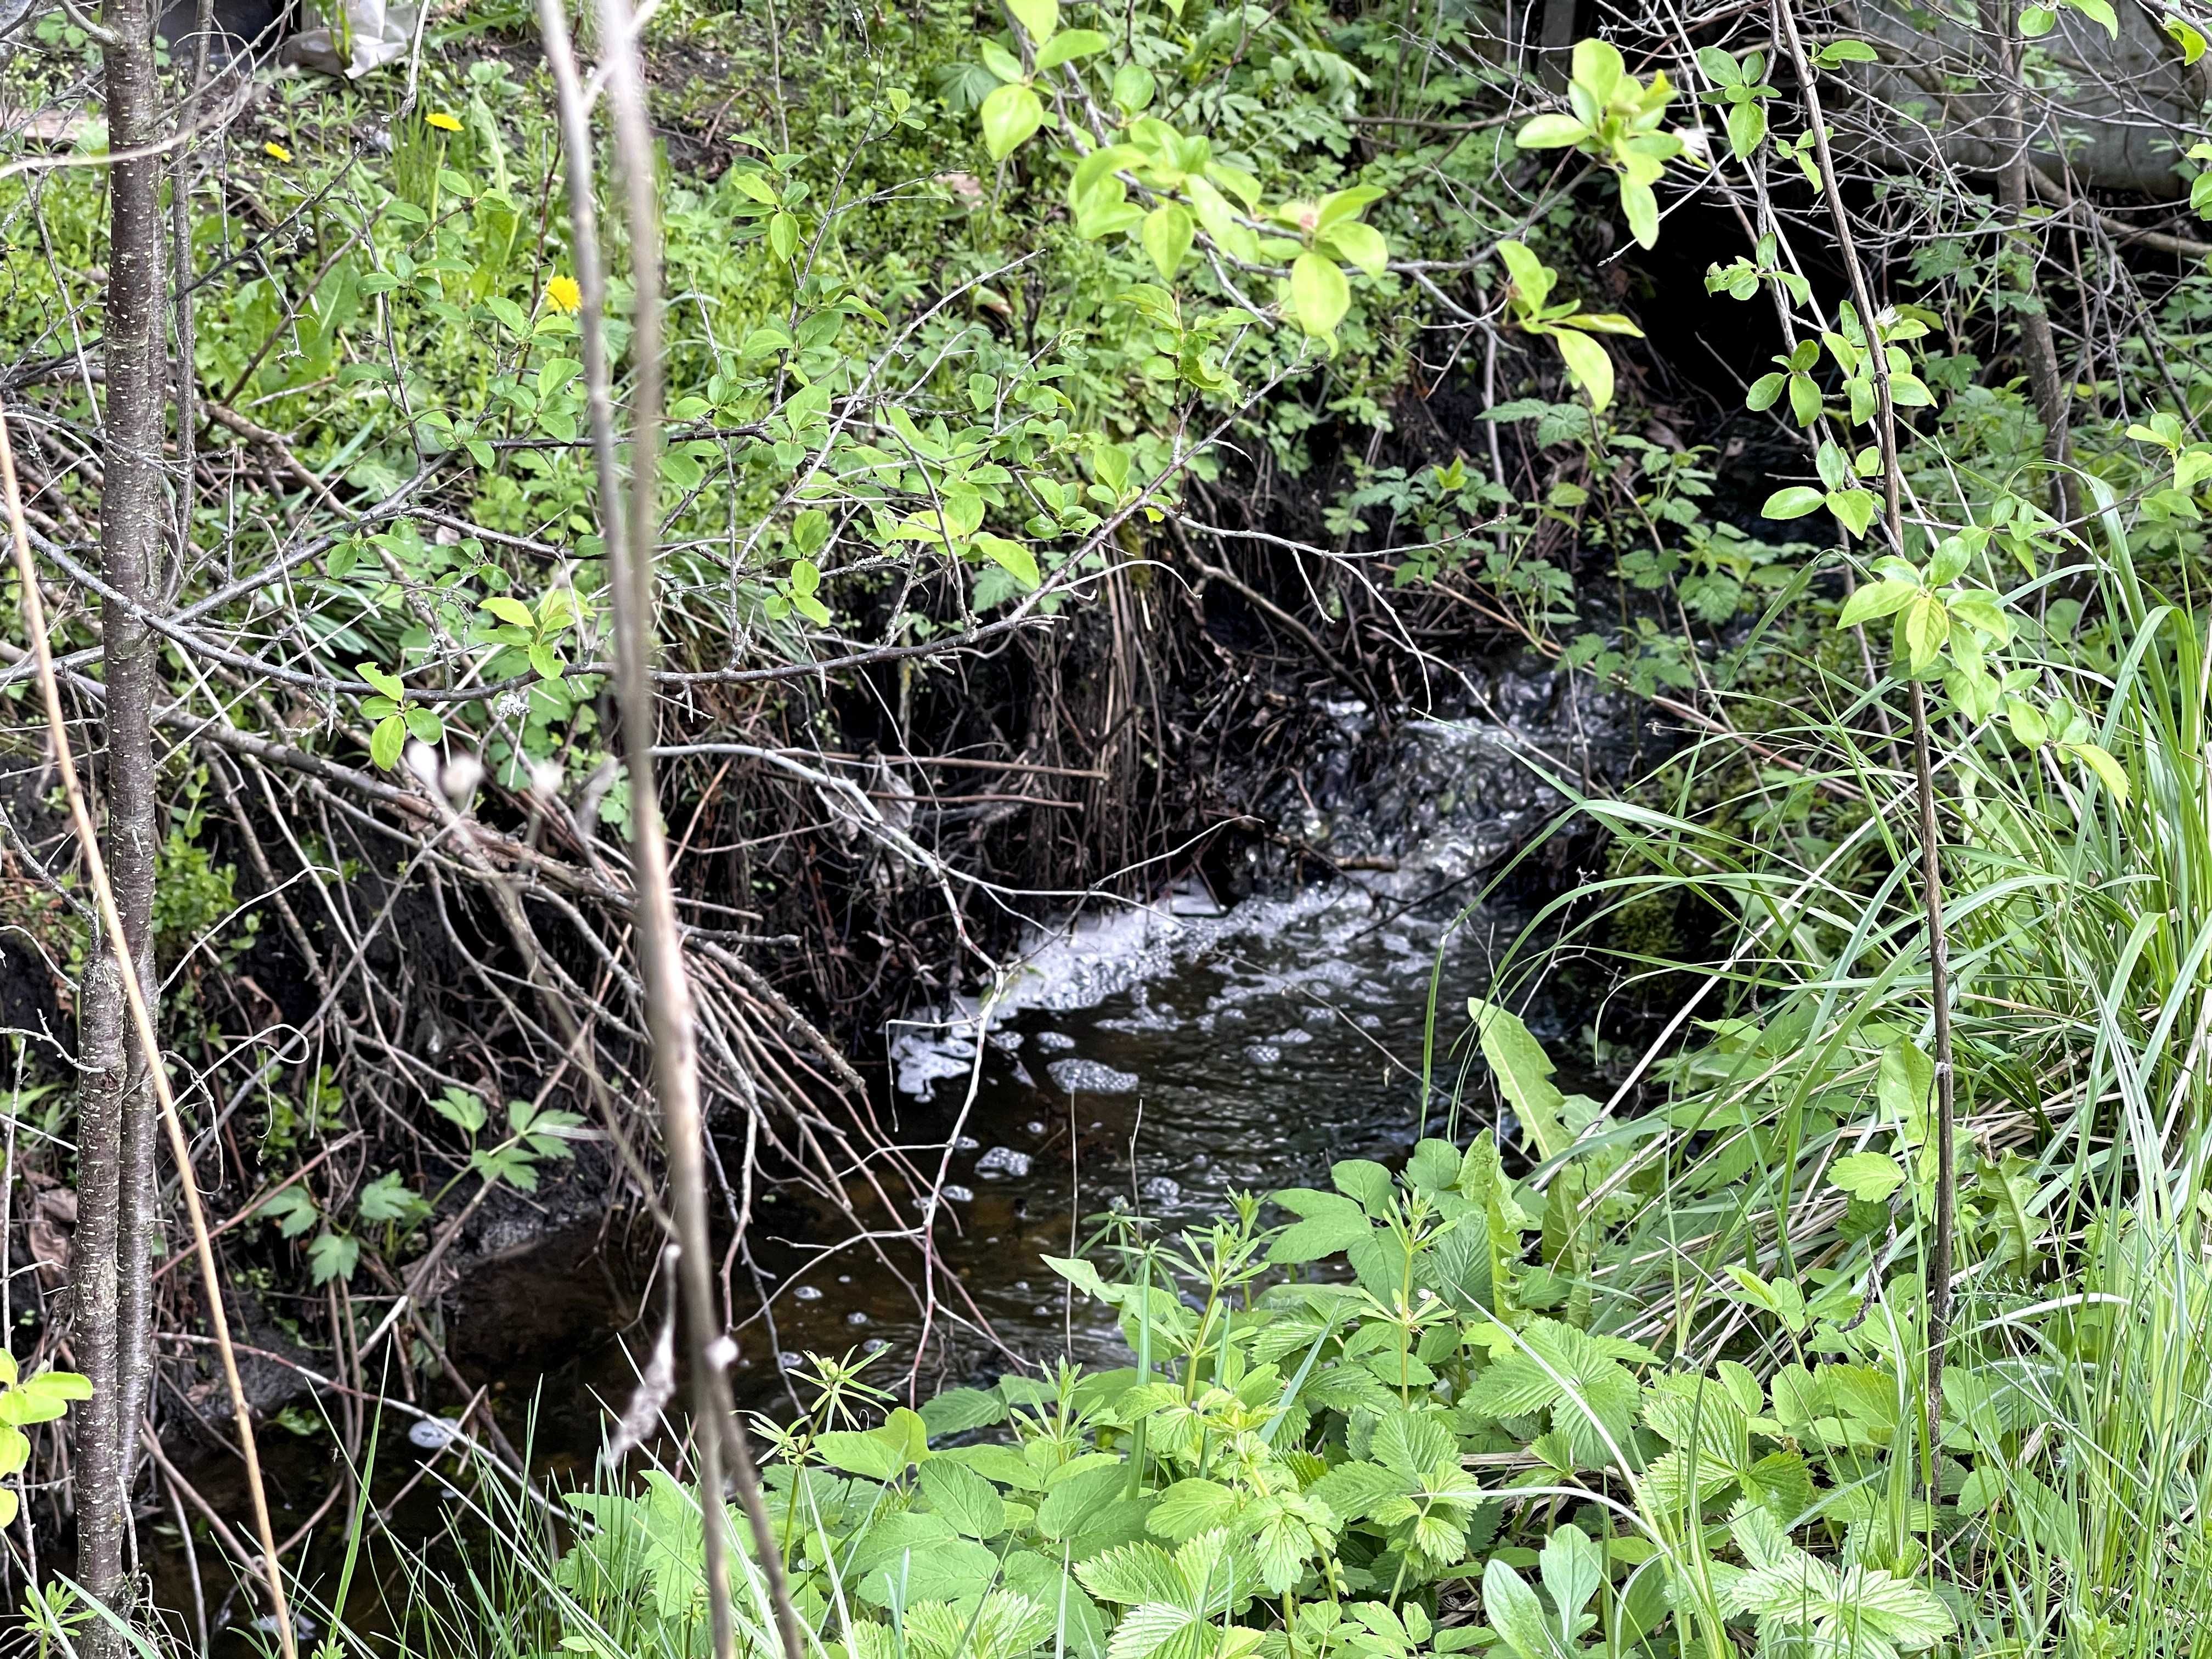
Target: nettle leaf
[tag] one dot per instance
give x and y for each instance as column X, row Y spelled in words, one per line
column 968, row 1503
column 959, row 1410
column 1329, row 1223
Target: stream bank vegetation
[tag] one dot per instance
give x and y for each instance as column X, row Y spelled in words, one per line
column 582, row 572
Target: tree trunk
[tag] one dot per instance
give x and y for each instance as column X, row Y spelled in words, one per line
column 115, row 1119
column 2049, row 389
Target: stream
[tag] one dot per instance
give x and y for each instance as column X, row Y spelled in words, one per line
column 1155, row 1057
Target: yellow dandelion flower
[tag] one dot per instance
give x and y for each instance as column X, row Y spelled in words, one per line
column 276, row 152
column 443, row 122
column 562, row 293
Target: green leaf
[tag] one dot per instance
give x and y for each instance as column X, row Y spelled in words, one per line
column 1590, row 366
column 1011, row 556
column 1794, row 503
column 334, row 1256
column 1551, row 132
column 1852, row 508
column 1190, row 1507
column 387, row 683
column 1328, row 1223
column 1746, row 128
column 1073, row 43
column 1641, row 207
column 1804, row 398
column 510, row 610
column 1319, row 294
column 870, row 1452
column 2101, row 761
column 1871, row 600
column 1532, row 278
column 1514, row 1612
column 1922, row 627
column 969, row 1502
column 386, row 742
column 1167, row 236
column 1839, row 52
column 1868, row 1176
column 1340, row 206
column 1361, row 243
column 957, row 1410
column 426, row 727
column 1009, row 115
column 1523, row 1071
column 2099, row 11
column 293, row 1211
column 1039, row 19
column 1902, row 1085
column 1573, row 1567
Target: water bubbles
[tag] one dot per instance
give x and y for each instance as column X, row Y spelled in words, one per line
column 1003, row 1160
column 1054, row 1042
column 431, row 1434
column 808, row 1293
column 1160, row 1190
column 1092, row 1077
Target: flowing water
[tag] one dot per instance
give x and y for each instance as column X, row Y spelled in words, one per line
column 1155, row 1058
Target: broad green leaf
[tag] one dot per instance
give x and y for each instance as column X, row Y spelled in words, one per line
column 1868, row 1176
column 1551, row 132
column 1009, row 115
column 1853, row 509
column 1871, row 600
column 1588, row 365
column 1794, row 503
column 1514, row 1612
column 386, row 742
column 2101, row 761
column 1319, row 294
column 1328, row 1224
column 1361, row 243
column 1902, row 1085
column 1011, row 556
column 1641, row 209
column 1573, row 1567
column 1340, row 206
column 1167, row 236
column 957, row 1410
column 1040, row 19
column 1523, row 1071
column 1068, row 45
column 969, row 1502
